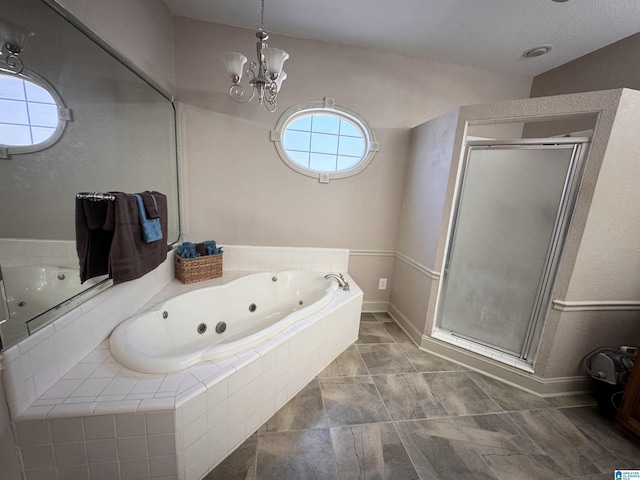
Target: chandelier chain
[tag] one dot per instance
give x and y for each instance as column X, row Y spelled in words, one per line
column 262, row 17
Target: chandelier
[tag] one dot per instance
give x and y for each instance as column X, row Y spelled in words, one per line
column 265, row 75
column 13, row 39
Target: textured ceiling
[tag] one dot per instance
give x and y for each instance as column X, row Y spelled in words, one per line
column 490, row 34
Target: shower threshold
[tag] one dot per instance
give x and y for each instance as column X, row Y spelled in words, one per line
column 483, row 350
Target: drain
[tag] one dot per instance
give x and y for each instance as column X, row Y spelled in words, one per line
column 203, row 328
column 253, row 307
column 165, row 314
column 220, row 327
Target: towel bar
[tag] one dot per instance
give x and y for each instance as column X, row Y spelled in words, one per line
column 95, row 196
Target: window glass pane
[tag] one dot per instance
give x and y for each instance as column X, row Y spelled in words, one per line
column 321, row 143
column 351, row 146
column 347, row 163
column 12, row 88
column 302, row 123
column 326, row 124
column 40, row 134
column 15, row 135
column 348, row 128
column 324, row 140
column 297, row 140
column 35, row 93
column 13, row 111
column 322, row 162
column 43, row 115
column 301, row 158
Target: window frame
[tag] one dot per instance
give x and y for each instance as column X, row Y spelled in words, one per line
column 326, row 106
column 64, row 115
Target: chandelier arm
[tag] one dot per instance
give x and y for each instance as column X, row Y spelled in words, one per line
column 270, row 105
column 14, row 63
column 270, row 93
column 237, row 94
column 252, row 71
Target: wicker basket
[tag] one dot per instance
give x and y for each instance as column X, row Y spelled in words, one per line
column 192, row 270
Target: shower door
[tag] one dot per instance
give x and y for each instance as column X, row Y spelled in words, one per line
column 512, row 213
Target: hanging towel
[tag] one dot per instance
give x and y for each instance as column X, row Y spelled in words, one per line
column 149, row 217
column 130, row 257
column 109, row 238
column 93, row 237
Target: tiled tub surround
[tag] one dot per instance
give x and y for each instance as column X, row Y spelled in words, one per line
column 129, row 425
column 25, row 251
column 34, row 365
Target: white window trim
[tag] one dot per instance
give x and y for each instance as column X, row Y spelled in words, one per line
column 64, row 116
column 328, row 106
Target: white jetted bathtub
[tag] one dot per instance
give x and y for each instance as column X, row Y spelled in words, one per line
column 219, row 321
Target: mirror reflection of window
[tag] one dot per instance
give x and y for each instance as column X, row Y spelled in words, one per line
column 29, row 113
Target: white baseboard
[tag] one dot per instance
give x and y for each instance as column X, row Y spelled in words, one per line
column 409, row 328
column 543, row 387
column 375, row 307
column 531, row 383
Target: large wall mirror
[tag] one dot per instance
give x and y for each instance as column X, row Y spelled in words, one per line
column 119, row 135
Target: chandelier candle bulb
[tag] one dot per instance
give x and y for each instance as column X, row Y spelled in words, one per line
column 274, row 59
column 234, row 62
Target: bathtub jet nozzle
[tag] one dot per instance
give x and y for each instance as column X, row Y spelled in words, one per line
column 221, row 327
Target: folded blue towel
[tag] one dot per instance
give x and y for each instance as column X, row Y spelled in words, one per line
column 187, row 250
column 150, row 227
column 211, row 247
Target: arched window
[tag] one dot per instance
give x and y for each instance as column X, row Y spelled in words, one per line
column 32, row 115
column 324, row 141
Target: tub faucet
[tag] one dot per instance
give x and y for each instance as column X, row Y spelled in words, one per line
column 340, row 279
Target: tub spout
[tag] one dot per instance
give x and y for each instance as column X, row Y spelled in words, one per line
column 340, row 279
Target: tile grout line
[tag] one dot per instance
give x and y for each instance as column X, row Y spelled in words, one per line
column 327, row 427
column 502, row 410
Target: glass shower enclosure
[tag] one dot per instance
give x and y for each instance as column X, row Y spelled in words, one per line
column 513, row 208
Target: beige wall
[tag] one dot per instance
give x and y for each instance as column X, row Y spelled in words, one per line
column 614, row 66
column 607, row 264
column 142, row 30
column 424, row 192
column 238, row 191
column 425, row 187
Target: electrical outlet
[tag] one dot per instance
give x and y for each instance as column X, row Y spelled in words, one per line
column 382, row 284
